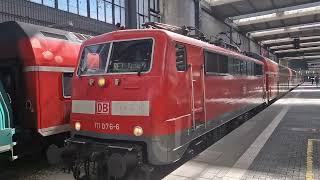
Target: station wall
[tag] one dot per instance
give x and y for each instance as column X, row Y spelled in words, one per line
column 178, row 12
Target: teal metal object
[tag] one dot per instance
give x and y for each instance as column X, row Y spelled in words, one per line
column 6, row 132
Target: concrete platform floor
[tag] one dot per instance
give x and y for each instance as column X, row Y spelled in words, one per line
column 281, row 142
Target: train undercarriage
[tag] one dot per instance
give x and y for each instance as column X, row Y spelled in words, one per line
column 88, row 159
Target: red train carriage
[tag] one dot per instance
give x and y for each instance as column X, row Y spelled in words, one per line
column 284, row 79
column 36, row 66
column 279, row 79
column 271, row 70
column 142, row 96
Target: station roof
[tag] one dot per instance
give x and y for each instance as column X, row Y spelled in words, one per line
column 275, row 24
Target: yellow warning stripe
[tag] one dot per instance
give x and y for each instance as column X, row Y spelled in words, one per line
column 309, row 172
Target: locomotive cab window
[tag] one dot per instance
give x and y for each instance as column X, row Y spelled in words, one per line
column 181, row 58
column 94, row 59
column 131, row 56
column 126, row 57
column 66, row 84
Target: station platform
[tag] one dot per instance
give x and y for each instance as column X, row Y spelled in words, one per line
column 281, row 142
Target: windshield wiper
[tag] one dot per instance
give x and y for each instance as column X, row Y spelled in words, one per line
column 141, row 69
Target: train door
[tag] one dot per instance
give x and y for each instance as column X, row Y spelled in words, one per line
column 8, row 77
column 197, row 81
column 6, row 132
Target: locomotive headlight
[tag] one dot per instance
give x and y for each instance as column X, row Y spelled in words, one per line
column 138, row 131
column 77, row 126
column 102, row 82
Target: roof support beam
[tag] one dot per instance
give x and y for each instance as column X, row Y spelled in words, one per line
column 277, row 14
column 221, row 2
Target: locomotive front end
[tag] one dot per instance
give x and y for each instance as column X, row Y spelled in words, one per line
column 118, row 79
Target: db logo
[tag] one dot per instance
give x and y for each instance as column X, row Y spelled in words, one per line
column 102, row 107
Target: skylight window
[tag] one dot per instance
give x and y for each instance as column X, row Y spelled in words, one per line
column 221, row 2
column 302, row 10
column 255, row 18
column 285, row 30
column 283, row 13
column 272, row 31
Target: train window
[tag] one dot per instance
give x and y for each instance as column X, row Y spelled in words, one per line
column 181, row 58
column 131, row 56
column 216, row 63
column 53, row 35
column 258, row 70
column 243, row 67
column 230, row 65
column 250, row 68
column 236, row 67
column 94, row 59
column 211, row 62
column 223, row 64
column 66, row 84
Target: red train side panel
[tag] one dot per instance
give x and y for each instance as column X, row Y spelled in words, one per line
column 41, row 60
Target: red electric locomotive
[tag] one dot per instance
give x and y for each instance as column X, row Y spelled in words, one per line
column 36, row 67
column 142, row 96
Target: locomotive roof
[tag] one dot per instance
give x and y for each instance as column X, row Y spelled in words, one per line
column 173, row 36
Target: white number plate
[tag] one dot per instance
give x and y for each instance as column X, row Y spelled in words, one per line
column 107, row 126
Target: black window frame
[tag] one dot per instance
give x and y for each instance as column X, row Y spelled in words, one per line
column 243, row 67
column 236, row 66
column 258, row 69
column 185, row 57
column 250, row 68
column 64, row 76
column 219, row 57
column 231, row 65
column 207, row 72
